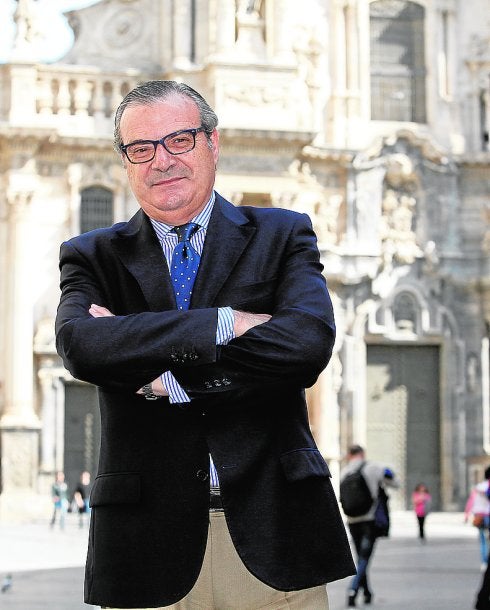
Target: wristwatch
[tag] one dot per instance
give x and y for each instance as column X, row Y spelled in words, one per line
column 148, row 392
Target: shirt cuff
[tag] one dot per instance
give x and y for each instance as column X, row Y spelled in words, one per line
column 175, row 391
column 226, row 323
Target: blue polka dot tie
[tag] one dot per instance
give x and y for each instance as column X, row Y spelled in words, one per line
column 184, row 266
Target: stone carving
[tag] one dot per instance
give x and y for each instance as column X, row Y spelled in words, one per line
column 124, row 28
column 251, row 30
column 28, row 31
column 399, row 205
column 258, row 96
column 311, row 199
column 44, row 338
column 431, row 257
column 397, row 236
column 309, row 48
column 249, row 7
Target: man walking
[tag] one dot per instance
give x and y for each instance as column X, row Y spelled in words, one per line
column 362, row 527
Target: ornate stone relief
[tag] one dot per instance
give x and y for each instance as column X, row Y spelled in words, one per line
column 309, row 46
column 124, row 27
column 258, row 96
column 44, row 338
column 399, row 207
column 311, row 199
column 251, row 30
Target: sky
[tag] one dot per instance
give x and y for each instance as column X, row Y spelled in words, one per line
column 57, row 36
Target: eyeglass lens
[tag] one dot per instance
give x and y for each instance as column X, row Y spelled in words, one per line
column 175, row 144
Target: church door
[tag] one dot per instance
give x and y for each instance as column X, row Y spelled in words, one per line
column 403, row 415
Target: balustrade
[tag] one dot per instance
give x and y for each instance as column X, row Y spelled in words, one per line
column 65, row 99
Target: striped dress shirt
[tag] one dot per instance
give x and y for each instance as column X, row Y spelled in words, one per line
column 224, row 333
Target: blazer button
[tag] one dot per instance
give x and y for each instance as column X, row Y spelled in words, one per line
column 202, row 475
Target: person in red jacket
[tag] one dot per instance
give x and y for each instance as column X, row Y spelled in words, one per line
column 421, row 502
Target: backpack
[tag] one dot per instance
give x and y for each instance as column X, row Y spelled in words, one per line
column 355, row 495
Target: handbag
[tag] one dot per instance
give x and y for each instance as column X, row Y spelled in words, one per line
column 382, row 515
column 478, row 520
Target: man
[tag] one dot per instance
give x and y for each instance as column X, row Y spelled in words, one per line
column 362, row 527
column 229, row 356
column 59, row 496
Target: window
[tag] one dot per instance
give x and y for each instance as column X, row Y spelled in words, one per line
column 397, row 61
column 96, row 208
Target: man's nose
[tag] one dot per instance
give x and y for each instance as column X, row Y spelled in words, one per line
column 162, row 157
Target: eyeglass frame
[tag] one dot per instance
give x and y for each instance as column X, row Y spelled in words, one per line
column 194, row 131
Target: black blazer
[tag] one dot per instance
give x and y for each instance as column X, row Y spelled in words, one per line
column 151, row 495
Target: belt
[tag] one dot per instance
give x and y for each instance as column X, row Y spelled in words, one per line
column 215, row 503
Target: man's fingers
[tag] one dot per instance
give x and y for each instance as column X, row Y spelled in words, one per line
column 97, row 311
column 245, row 320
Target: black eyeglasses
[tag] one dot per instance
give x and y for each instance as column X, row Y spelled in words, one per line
column 176, row 143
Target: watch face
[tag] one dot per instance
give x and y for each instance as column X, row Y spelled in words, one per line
column 124, row 27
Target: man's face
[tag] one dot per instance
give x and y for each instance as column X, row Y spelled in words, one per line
column 170, row 188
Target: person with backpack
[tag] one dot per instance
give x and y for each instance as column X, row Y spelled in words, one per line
column 360, row 485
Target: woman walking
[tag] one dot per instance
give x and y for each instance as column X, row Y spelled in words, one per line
column 421, row 501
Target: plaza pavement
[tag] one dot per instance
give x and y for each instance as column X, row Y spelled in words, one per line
column 443, row 574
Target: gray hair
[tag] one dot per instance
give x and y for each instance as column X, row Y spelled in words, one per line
column 158, row 90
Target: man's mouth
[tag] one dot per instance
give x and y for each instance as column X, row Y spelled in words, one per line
column 168, row 181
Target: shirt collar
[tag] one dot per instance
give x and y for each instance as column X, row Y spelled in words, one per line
column 202, row 219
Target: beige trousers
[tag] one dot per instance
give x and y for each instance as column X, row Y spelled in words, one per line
column 225, row 584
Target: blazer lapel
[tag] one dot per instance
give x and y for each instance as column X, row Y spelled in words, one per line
column 140, row 252
column 227, row 236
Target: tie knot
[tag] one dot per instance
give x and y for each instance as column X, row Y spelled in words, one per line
column 184, row 232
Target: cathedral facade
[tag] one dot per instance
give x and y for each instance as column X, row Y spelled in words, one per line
column 372, row 117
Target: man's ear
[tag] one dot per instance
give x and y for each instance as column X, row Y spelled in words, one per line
column 215, row 143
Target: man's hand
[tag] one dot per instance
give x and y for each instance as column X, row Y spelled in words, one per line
column 97, row 311
column 245, row 321
column 157, row 388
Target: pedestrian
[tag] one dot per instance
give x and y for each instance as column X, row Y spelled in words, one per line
column 421, row 502
column 81, row 497
column 210, row 489
column 59, row 496
column 478, row 508
column 363, row 528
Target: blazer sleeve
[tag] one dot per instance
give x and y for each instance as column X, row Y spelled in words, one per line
column 293, row 347
column 124, row 352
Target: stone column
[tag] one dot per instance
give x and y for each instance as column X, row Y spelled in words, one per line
column 19, row 425
column 23, row 90
column 182, row 45
column 328, row 417
column 19, row 410
column 282, row 32
column 225, row 26
column 48, row 409
column 352, row 66
column 338, row 121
